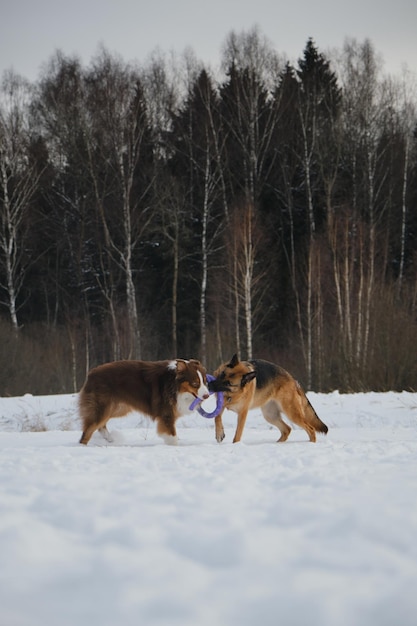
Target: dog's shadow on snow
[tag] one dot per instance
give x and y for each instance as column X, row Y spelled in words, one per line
column 120, row 440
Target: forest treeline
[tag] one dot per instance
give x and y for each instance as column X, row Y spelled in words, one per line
column 160, row 210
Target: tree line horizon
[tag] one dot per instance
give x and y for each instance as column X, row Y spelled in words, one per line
column 157, row 211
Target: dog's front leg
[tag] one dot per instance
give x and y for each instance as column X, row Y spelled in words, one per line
column 241, row 420
column 166, row 429
column 219, row 427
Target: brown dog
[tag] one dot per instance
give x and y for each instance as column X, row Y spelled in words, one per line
column 163, row 390
column 257, row 383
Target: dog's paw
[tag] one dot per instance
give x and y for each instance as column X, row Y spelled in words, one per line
column 220, row 436
column 170, row 440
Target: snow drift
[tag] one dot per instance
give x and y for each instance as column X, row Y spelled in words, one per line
column 140, row 533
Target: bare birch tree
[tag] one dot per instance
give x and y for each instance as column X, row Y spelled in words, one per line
column 196, row 133
column 117, row 143
column 249, row 123
column 406, row 91
column 19, row 178
column 318, row 106
column 365, row 104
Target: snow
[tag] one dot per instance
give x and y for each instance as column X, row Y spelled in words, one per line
column 201, row 534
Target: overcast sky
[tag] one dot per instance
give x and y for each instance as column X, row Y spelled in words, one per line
column 32, row 30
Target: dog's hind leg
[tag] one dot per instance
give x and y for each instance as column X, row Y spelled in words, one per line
column 93, row 414
column 105, row 433
column 293, row 402
column 87, row 434
column 117, row 409
column 90, row 430
column 272, row 414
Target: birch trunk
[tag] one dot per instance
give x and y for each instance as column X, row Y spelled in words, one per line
column 204, row 260
column 403, row 214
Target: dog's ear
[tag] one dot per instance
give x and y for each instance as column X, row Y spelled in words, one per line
column 246, row 378
column 233, row 362
column 181, row 365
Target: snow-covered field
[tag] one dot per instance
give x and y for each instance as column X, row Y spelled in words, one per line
column 138, row 533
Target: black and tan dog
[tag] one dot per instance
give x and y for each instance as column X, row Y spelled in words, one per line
column 256, row 383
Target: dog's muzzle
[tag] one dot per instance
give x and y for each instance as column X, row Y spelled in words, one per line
column 217, row 385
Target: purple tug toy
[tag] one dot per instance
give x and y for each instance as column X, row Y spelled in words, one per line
column 219, row 403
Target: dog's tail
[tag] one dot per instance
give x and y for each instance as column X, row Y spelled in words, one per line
column 310, row 415
column 319, row 426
